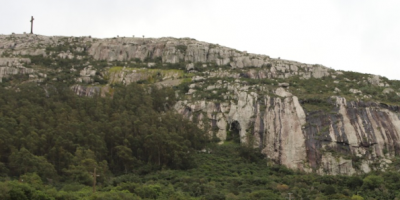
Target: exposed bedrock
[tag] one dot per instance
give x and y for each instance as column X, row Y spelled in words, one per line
column 223, row 98
column 275, row 122
column 172, row 50
column 368, row 132
column 13, row 66
column 354, row 137
column 91, row 91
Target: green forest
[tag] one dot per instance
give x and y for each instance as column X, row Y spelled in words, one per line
column 55, row 145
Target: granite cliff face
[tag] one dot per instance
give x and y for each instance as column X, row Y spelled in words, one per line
column 364, row 129
column 190, row 51
column 275, row 122
column 355, row 136
column 303, row 116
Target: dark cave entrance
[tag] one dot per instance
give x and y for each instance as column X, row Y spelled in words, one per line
column 234, row 132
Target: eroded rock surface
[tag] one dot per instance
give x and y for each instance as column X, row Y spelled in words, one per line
column 275, row 122
column 13, row 66
column 348, row 140
column 229, row 93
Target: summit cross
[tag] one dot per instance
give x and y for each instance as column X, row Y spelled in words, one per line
column 32, row 24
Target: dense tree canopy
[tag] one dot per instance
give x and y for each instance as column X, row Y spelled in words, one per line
column 52, row 141
column 57, row 134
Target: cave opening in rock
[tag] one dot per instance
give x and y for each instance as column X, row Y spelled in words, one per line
column 234, row 132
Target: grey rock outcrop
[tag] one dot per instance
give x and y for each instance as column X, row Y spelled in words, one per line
column 364, row 130
column 130, row 75
column 13, row 66
column 92, row 90
column 232, row 92
column 321, row 142
column 171, row 50
column 276, row 123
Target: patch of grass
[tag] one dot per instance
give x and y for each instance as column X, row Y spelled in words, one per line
column 115, row 69
column 146, row 76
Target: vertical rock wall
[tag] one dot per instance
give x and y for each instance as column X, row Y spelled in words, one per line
column 275, row 122
column 351, row 138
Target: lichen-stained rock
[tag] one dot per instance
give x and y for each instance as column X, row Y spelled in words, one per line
column 13, row 66
column 284, row 140
column 88, row 71
column 127, row 76
column 125, row 49
column 347, row 140
column 228, row 92
column 337, row 165
column 92, row 90
column 276, row 123
column 172, row 50
column 14, row 62
column 153, row 50
column 366, row 131
column 242, row 111
column 23, row 44
column 87, row 91
column 319, row 71
column 376, row 80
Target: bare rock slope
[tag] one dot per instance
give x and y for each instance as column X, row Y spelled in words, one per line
column 303, row 116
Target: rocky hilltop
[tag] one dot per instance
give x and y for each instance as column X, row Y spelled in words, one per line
column 304, row 116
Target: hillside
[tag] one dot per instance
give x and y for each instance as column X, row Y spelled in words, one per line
column 226, row 173
column 304, row 116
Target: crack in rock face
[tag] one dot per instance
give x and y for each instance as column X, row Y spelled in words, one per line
column 287, row 136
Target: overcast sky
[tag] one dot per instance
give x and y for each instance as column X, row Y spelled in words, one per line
column 352, row 35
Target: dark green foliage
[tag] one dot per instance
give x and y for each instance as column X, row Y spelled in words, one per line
column 180, row 66
column 316, row 104
column 314, row 93
column 41, row 60
column 157, row 60
column 221, row 174
column 264, row 81
column 264, row 195
column 181, row 48
column 354, row 182
column 329, row 190
column 216, row 95
column 68, row 136
column 183, row 87
column 51, row 140
column 69, row 45
column 23, row 161
column 372, row 181
column 100, row 80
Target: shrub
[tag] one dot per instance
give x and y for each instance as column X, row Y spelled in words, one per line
column 282, row 187
column 264, row 194
column 354, row 182
column 372, row 182
column 356, row 197
column 181, row 48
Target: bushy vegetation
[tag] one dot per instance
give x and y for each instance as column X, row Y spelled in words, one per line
column 181, row 48
column 153, row 75
column 52, row 141
column 315, row 93
column 58, row 135
column 224, row 173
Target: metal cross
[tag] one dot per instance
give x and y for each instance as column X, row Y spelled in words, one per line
column 32, row 24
